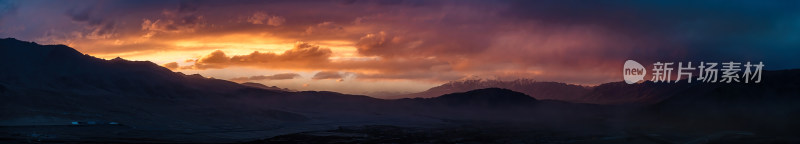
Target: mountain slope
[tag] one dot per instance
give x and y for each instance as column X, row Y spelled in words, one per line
column 489, row 97
column 56, row 85
column 259, row 85
column 771, row 104
column 608, row 93
column 538, row 90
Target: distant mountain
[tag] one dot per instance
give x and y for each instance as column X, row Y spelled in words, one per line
column 622, row 93
column 536, row 89
column 262, row 86
column 489, row 97
column 608, row 93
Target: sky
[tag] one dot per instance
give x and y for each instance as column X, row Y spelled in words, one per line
column 393, row 47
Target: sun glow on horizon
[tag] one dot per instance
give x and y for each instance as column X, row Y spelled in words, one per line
column 402, row 46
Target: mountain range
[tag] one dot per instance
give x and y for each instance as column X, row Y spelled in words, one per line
column 53, row 93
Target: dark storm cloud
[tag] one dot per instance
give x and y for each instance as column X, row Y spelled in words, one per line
column 687, row 30
column 99, row 26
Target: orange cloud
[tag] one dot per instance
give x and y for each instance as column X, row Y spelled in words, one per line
column 171, row 65
column 405, row 40
column 215, row 57
column 328, row 75
column 303, row 55
column 281, row 76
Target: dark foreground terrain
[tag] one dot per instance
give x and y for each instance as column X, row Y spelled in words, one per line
column 473, row 134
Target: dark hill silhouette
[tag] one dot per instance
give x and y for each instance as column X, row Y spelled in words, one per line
column 489, row 97
column 56, row 85
column 44, row 88
column 771, row 104
column 538, row 90
column 608, row 93
column 259, row 85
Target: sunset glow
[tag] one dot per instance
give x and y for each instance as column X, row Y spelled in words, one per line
column 366, row 47
column 399, row 71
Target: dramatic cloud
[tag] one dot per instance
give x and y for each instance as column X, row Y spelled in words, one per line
column 215, row 57
column 98, row 27
column 382, row 45
column 329, row 75
column 418, row 75
column 171, row 65
column 414, row 40
column 282, row 76
column 325, row 28
column 262, row 18
column 308, row 57
column 303, row 55
column 175, row 22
